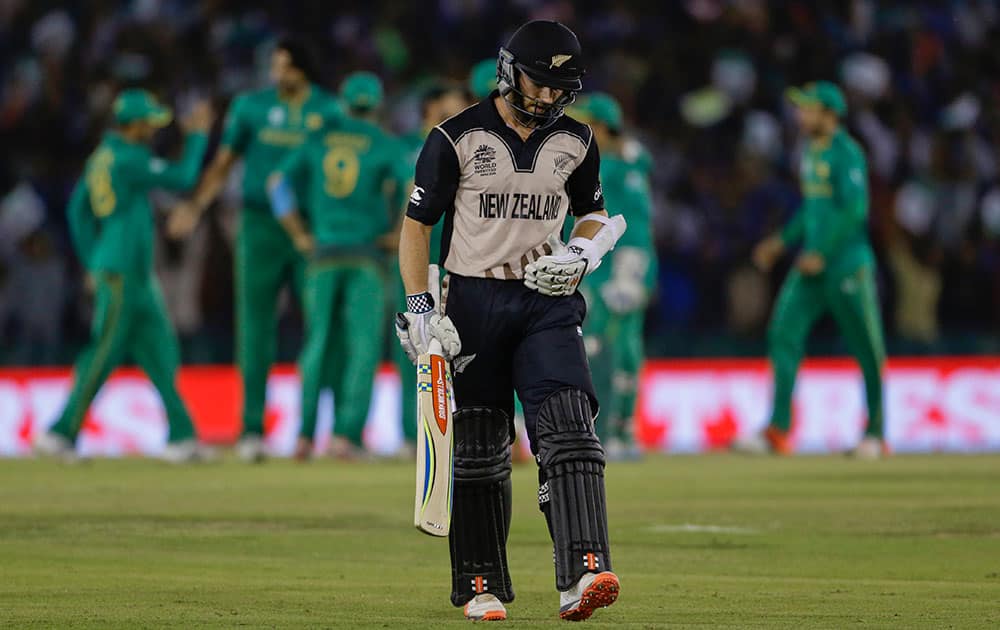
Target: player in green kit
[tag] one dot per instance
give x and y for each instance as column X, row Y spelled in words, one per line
column 617, row 292
column 439, row 103
column 263, row 127
column 835, row 271
column 351, row 173
column 111, row 222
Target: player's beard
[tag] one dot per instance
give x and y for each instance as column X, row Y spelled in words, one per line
column 531, row 113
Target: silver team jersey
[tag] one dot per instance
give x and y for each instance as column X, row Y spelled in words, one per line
column 501, row 197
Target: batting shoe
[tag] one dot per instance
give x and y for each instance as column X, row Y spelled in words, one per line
column 870, row 448
column 485, row 607
column 251, row 449
column 592, row 591
column 54, row 445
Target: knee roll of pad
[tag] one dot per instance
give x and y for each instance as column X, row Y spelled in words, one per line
column 481, row 505
column 571, row 462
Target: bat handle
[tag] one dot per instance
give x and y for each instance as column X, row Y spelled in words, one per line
column 434, row 347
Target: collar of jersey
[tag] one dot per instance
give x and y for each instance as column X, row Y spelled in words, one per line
column 295, row 102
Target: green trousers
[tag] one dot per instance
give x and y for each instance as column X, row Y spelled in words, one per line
column 407, row 372
column 129, row 319
column 344, row 313
column 615, row 351
column 266, row 261
column 852, row 300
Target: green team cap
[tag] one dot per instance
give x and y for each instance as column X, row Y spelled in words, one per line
column 603, row 108
column 134, row 104
column 361, row 90
column 822, row 93
column 483, row 78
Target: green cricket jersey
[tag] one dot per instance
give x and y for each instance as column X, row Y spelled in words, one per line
column 265, row 128
column 109, row 214
column 625, row 182
column 345, row 170
column 833, row 218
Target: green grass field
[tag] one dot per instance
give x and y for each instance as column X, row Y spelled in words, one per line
column 708, row 542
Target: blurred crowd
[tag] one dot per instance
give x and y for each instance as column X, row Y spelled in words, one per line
column 702, row 84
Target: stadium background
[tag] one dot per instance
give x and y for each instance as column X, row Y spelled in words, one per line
column 701, row 82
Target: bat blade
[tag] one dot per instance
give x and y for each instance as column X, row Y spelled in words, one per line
column 435, row 443
column 435, row 448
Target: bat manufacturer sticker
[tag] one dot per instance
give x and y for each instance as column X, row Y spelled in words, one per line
column 438, row 371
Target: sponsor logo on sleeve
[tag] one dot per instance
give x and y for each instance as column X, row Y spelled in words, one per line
column 417, row 195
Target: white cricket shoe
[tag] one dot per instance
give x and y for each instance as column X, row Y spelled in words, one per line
column 870, row 448
column 592, row 591
column 54, row 445
column 485, row 607
column 753, row 444
column 251, row 449
column 186, row 452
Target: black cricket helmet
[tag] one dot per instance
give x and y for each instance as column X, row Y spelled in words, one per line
column 549, row 54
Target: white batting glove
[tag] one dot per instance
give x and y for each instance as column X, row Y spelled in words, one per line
column 623, row 296
column 626, row 291
column 557, row 274
column 422, row 323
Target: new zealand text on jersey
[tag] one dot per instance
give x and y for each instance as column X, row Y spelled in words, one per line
column 519, row 206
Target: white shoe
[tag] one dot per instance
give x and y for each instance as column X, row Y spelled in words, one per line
column 251, row 449
column 485, row 607
column 186, row 451
column 870, row 448
column 54, row 445
column 753, row 444
column 592, row 591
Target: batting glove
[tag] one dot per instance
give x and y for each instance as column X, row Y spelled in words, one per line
column 557, row 274
column 421, row 324
column 623, row 296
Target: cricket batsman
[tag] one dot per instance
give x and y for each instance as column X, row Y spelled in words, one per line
column 111, row 222
column 834, row 272
column 618, row 291
column 439, row 103
column 263, row 127
column 349, row 169
column 502, row 175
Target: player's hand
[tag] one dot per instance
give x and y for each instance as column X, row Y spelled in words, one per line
column 199, row 118
column 767, row 252
column 623, row 296
column 183, row 220
column 305, row 244
column 811, row 264
column 416, row 330
column 557, row 274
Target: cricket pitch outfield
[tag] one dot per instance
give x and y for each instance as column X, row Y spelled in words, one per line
column 699, row 542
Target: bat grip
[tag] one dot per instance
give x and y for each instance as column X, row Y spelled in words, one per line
column 434, row 347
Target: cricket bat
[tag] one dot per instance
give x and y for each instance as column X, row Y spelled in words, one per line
column 435, row 447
